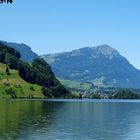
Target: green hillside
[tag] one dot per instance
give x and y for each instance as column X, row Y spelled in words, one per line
column 38, row 76
column 20, row 87
column 75, row 84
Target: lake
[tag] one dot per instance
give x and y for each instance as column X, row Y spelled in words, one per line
column 69, row 120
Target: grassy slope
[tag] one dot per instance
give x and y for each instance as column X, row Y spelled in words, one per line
column 83, row 86
column 74, row 84
column 15, row 80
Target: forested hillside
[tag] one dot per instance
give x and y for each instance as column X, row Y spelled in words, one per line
column 38, row 72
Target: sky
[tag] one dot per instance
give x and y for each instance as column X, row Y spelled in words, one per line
column 50, row 26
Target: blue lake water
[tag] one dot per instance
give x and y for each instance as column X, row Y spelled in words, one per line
column 69, row 119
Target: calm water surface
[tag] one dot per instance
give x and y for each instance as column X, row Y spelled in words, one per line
column 69, row 120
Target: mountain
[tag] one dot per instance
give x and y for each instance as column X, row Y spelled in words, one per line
column 26, row 53
column 101, row 65
column 25, row 80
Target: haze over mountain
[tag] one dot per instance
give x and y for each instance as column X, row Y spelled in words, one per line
column 101, row 65
column 26, row 53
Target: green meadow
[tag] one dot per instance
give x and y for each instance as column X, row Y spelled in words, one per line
column 13, row 81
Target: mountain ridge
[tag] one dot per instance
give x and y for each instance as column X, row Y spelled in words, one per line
column 26, row 52
column 92, row 64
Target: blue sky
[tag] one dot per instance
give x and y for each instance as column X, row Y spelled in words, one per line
column 50, row 26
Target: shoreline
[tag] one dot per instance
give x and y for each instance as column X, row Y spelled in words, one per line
column 80, row 100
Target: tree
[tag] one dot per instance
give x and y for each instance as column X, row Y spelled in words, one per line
column 96, row 96
column 80, row 96
column 6, row 1
column 7, row 71
column 47, row 92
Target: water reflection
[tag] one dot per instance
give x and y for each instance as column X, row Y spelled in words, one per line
column 69, row 120
column 21, row 118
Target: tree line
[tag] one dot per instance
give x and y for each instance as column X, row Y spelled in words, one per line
column 6, row 1
column 124, row 94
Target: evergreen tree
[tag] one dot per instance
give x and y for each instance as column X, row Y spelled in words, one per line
column 7, row 71
column 6, row 1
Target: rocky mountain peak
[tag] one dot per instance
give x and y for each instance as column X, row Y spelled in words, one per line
column 105, row 50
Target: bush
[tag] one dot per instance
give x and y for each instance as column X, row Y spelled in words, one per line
column 96, row 96
column 32, row 88
column 47, row 92
column 2, row 73
column 76, row 96
column 11, row 92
